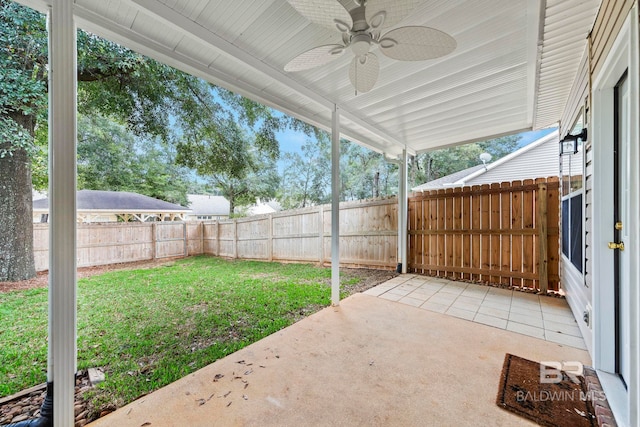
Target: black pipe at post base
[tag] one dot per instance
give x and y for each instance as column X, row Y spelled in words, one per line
column 399, row 268
column 46, row 413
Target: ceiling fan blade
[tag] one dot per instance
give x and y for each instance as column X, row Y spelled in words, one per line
column 364, row 71
column 416, row 43
column 394, row 11
column 315, row 57
column 325, row 13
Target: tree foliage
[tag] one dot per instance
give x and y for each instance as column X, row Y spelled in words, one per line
column 111, row 158
column 435, row 164
column 306, row 176
column 365, row 174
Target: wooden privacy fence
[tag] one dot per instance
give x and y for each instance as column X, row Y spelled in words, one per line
column 500, row 233
column 368, row 238
column 368, row 235
column 116, row 242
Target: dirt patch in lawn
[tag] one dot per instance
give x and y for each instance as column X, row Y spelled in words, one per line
column 368, row 278
column 42, row 277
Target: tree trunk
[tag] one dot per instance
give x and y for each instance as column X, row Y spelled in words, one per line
column 376, row 185
column 16, row 212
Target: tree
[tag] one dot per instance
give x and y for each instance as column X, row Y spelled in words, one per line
column 435, row 164
column 261, row 181
column 365, row 174
column 111, row 158
column 151, row 98
column 22, row 97
column 306, row 177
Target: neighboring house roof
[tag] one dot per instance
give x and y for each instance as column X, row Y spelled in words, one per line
column 447, row 181
column 203, row 204
column 535, row 160
column 115, row 201
column 264, row 207
column 37, row 195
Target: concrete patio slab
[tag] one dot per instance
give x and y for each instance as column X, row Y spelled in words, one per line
column 368, row 362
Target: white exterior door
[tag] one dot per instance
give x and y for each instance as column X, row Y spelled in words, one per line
column 622, row 216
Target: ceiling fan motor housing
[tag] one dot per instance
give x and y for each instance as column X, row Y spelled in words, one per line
column 360, row 44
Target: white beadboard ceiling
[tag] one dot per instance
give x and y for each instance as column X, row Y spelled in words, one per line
column 511, row 71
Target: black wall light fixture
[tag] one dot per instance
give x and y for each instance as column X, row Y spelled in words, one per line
column 569, row 144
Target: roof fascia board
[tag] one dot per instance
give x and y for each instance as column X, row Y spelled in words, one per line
column 535, row 32
column 470, row 141
column 119, row 211
column 39, row 5
column 169, row 17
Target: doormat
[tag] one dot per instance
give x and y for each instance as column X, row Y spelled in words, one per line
column 550, row 397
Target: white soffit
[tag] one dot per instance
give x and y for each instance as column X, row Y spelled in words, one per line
column 566, row 26
column 502, row 78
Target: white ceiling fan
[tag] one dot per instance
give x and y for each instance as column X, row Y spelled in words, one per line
column 361, row 30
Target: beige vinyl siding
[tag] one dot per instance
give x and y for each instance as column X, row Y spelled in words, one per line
column 608, row 23
column 577, row 103
column 539, row 162
column 588, row 214
column 578, row 96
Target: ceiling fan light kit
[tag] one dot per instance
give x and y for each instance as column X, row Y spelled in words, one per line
column 361, row 32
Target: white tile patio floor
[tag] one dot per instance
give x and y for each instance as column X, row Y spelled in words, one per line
column 545, row 317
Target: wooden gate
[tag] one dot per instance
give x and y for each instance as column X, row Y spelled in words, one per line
column 504, row 233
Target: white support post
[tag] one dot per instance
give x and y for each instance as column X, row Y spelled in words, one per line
column 62, row 209
column 335, row 207
column 402, row 212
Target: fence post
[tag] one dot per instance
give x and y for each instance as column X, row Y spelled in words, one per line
column 321, row 234
column 235, row 238
column 270, row 239
column 218, row 237
column 184, row 235
column 154, row 240
column 541, row 215
column 201, row 227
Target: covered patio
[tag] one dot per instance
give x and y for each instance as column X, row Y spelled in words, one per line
column 370, row 361
column 517, row 65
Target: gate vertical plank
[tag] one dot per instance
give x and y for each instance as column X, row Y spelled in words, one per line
column 426, row 224
column 485, row 241
column 457, row 227
column 433, row 239
column 528, row 250
column 516, row 240
column 440, row 225
column 413, row 255
column 422, row 238
column 475, row 236
column 541, row 225
column 466, row 225
column 448, row 238
column 553, row 222
column 505, row 238
column 494, row 200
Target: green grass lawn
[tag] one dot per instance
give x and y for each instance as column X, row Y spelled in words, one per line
column 150, row 327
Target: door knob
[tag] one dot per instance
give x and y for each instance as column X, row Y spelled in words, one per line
column 614, row 245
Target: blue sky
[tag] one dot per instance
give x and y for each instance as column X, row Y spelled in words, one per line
column 534, row 135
